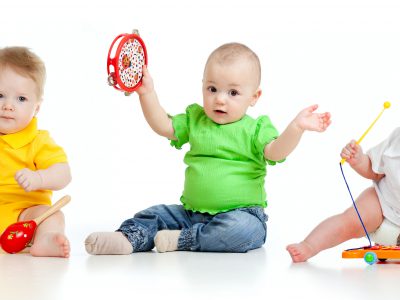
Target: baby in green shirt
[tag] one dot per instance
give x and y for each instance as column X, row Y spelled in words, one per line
column 223, row 199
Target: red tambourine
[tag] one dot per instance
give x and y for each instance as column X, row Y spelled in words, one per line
column 125, row 68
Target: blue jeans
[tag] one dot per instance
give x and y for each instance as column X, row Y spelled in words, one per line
column 237, row 230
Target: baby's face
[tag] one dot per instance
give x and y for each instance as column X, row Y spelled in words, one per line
column 19, row 101
column 228, row 90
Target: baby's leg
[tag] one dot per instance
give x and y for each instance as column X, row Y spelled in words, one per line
column 238, row 230
column 137, row 234
column 340, row 228
column 49, row 239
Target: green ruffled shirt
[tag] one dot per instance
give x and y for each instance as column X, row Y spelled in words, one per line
column 226, row 167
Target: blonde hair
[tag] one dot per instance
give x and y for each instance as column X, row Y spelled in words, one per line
column 231, row 52
column 26, row 63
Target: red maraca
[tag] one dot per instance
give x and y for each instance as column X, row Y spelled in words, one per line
column 18, row 236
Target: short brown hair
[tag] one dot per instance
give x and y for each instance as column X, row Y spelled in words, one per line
column 232, row 51
column 26, row 63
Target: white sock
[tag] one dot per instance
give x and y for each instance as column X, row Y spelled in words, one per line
column 108, row 243
column 167, row 240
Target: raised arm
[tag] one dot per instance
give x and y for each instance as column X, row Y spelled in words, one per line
column 153, row 112
column 290, row 137
column 54, row 178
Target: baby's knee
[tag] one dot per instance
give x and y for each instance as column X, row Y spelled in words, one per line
column 349, row 225
column 251, row 220
column 59, row 215
column 33, row 212
column 248, row 233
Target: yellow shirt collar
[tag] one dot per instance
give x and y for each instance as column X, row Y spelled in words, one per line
column 23, row 137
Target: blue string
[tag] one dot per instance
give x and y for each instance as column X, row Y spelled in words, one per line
column 355, row 206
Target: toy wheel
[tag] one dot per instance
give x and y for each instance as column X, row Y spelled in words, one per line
column 370, row 258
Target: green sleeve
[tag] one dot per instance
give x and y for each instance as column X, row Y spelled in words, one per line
column 264, row 134
column 180, row 123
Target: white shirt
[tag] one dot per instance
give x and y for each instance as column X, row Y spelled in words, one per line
column 385, row 159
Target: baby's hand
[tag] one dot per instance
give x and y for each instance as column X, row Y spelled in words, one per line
column 308, row 120
column 352, row 152
column 147, row 83
column 29, row 180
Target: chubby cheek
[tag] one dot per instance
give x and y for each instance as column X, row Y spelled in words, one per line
column 235, row 109
column 25, row 118
column 207, row 106
column 209, row 113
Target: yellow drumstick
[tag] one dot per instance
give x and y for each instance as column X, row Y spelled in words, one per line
column 385, row 106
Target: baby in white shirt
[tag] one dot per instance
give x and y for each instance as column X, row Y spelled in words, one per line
column 379, row 205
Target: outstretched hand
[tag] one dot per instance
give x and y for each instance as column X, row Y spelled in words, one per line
column 307, row 119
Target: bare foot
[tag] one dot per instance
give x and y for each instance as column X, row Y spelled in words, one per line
column 51, row 244
column 300, row 252
column 108, row 243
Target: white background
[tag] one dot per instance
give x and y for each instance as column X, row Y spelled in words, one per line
column 343, row 55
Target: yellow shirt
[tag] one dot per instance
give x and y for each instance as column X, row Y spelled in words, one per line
column 29, row 148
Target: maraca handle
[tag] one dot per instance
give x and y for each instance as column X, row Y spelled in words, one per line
column 54, row 208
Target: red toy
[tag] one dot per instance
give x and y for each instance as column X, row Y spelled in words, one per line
column 125, row 67
column 19, row 235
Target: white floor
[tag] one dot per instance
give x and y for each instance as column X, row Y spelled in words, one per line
column 262, row 273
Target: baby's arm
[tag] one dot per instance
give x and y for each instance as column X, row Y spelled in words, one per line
column 359, row 161
column 53, row 178
column 290, row 137
column 154, row 113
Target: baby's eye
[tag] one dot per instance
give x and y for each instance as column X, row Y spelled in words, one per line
column 1, row 95
column 21, row 98
column 212, row 89
column 233, row 93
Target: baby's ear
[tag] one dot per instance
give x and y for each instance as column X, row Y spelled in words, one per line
column 37, row 108
column 255, row 97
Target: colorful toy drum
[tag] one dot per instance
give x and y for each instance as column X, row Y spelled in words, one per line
column 125, row 68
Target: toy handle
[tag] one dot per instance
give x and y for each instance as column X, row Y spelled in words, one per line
column 54, row 208
column 386, row 105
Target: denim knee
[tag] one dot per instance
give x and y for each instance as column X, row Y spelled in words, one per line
column 239, row 230
column 251, row 231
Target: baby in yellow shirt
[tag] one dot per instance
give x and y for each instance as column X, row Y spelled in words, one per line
column 32, row 165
